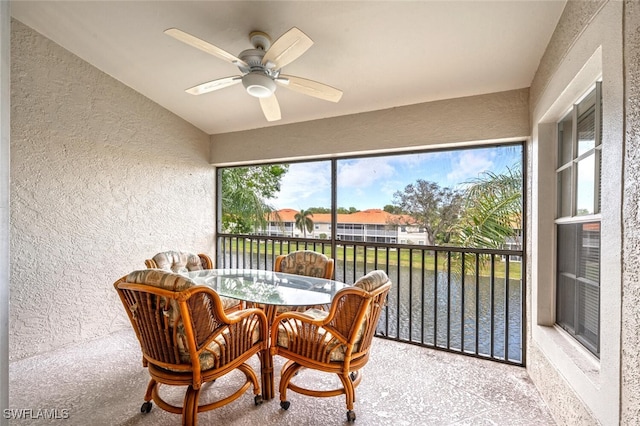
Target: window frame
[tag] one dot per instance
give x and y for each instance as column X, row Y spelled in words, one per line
column 573, row 216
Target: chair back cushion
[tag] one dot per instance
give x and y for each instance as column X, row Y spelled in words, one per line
column 178, row 261
column 305, row 262
column 372, row 280
column 161, row 279
column 172, row 282
column 182, row 262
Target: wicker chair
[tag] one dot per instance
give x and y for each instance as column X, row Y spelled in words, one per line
column 188, row 340
column 305, row 262
column 181, row 262
column 338, row 341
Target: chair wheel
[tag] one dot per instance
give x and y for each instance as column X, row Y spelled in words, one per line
column 257, row 400
column 351, row 416
column 285, row 405
column 146, row 407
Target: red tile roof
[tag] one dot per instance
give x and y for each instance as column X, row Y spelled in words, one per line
column 369, row 217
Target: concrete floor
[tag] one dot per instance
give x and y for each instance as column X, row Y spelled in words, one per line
column 103, row 383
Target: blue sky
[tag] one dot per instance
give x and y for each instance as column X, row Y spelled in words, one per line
column 370, row 182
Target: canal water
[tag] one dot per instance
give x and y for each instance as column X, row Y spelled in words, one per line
column 476, row 316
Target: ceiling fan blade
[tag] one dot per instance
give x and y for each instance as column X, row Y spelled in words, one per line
column 204, row 46
column 287, row 48
column 310, row 87
column 210, row 86
column 270, row 108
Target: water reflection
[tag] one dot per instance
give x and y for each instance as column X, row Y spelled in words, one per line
column 457, row 315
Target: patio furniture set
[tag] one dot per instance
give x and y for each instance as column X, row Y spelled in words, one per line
column 196, row 324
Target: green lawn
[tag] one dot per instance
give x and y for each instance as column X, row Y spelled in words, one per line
column 404, row 259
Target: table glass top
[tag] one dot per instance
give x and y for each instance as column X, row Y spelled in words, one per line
column 268, row 287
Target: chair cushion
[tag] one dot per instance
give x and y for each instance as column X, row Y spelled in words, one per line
column 229, row 302
column 167, row 281
column 372, row 280
column 178, row 261
column 214, row 349
column 182, row 262
column 160, row 279
column 315, row 314
column 305, row 262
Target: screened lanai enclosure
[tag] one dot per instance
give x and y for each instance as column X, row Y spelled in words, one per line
column 446, row 226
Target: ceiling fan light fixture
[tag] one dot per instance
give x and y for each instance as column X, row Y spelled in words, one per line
column 259, row 84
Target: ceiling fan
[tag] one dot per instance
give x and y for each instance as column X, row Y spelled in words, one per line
column 261, row 68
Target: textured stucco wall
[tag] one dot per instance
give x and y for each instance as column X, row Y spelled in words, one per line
column 630, row 363
column 578, row 388
column 576, row 16
column 5, row 89
column 565, row 406
column 494, row 116
column 101, row 179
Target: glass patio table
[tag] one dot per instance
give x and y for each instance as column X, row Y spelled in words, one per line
column 270, row 290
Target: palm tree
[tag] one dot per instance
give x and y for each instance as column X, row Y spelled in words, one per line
column 304, row 221
column 492, row 212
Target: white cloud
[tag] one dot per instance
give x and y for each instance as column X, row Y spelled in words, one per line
column 304, row 185
column 469, row 164
column 364, row 172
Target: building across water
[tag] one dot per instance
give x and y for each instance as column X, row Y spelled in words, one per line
column 372, row 225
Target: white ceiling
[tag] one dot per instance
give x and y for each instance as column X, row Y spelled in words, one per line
column 381, row 54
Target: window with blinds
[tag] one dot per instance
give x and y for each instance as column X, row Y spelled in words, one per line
column 578, row 221
column 578, row 281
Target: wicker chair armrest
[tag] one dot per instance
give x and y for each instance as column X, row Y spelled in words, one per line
column 303, row 317
column 244, row 314
column 238, row 316
column 300, row 316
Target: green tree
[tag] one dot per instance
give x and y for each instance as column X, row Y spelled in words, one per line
column 432, row 207
column 492, row 211
column 245, row 191
column 318, row 210
column 341, row 210
column 390, row 208
column 304, row 221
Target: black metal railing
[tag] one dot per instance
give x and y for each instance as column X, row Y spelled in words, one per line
column 469, row 301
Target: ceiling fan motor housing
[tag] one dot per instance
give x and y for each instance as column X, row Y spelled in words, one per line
column 253, row 57
column 257, row 79
column 259, row 84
